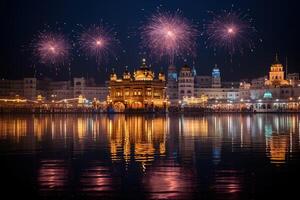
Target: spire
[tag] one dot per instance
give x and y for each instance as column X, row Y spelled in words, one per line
column 144, row 63
column 194, row 70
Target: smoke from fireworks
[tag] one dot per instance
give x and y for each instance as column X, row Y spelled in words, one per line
column 52, row 48
column 231, row 31
column 98, row 42
column 169, row 35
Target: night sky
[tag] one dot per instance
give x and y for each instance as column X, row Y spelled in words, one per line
column 277, row 23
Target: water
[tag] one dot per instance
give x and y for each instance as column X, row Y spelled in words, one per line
column 226, row 156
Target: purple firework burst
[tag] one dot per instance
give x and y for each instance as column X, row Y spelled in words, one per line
column 169, row 35
column 52, row 48
column 98, row 42
column 231, row 31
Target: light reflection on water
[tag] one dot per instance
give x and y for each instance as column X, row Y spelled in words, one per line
column 147, row 156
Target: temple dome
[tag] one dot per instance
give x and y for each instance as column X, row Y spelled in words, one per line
column 144, row 73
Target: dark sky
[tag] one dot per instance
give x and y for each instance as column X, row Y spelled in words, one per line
column 277, row 22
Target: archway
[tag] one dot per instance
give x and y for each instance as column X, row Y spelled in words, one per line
column 137, row 105
column 119, row 107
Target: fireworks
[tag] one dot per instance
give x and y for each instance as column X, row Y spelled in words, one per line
column 98, row 42
column 52, row 48
column 169, row 35
column 231, row 31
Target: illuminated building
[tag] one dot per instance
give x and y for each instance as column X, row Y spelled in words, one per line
column 140, row 91
column 31, row 88
column 185, row 82
column 23, row 88
column 195, row 101
column 276, row 75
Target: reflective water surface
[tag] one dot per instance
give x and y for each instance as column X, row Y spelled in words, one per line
column 226, row 156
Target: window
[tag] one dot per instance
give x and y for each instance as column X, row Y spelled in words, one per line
column 118, row 93
column 156, row 94
column 137, row 93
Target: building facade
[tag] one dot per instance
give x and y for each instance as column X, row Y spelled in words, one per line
column 276, row 75
column 31, row 88
column 271, row 87
column 186, row 83
column 138, row 91
column 172, row 85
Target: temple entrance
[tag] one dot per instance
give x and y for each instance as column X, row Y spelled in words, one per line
column 137, row 105
column 119, row 107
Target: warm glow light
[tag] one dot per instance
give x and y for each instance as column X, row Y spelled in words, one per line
column 51, row 48
column 99, row 42
column 170, row 34
column 230, row 30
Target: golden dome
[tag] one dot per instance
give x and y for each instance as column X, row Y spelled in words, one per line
column 144, row 73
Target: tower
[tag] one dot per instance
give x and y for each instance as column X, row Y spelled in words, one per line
column 276, row 74
column 216, row 77
column 186, row 82
column 172, row 73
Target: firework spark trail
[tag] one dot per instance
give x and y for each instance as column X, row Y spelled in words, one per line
column 231, row 31
column 169, row 35
column 52, row 48
column 98, row 42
